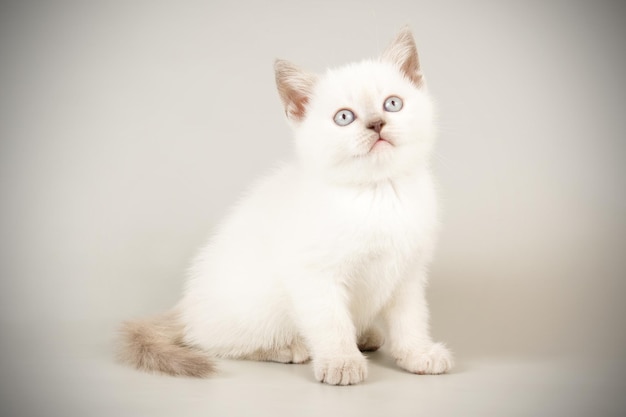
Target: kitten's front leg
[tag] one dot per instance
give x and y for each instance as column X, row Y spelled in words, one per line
column 407, row 318
column 325, row 323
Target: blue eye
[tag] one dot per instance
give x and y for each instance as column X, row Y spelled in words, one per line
column 344, row 117
column 393, row 104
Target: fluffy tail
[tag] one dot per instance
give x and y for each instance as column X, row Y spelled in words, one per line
column 156, row 344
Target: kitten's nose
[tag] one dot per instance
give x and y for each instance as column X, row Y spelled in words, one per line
column 376, row 125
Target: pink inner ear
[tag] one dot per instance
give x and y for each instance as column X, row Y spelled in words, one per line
column 409, row 63
column 297, row 106
column 403, row 52
column 295, row 88
column 414, row 74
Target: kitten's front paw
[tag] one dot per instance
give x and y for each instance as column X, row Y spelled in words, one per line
column 435, row 359
column 341, row 371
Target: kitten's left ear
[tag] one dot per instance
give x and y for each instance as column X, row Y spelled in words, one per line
column 403, row 53
column 295, row 87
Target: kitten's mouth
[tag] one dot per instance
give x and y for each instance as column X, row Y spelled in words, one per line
column 380, row 143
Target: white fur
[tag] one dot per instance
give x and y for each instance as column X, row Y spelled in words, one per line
column 320, row 249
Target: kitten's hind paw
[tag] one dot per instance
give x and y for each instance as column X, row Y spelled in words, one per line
column 435, row 359
column 341, row 371
column 296, row 352
column 371, row 340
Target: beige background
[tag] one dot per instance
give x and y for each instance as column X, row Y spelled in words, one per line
column 129, row 127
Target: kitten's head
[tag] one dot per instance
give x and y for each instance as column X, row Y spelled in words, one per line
column 362, row 123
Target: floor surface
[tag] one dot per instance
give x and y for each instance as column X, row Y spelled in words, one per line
column 71, row 371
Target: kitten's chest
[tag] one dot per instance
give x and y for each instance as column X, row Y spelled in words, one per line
column 390, row 230
column 387, row 222
column 391, row 213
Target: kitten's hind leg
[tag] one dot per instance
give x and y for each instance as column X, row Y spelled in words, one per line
column 296, row 352
column 370, row 340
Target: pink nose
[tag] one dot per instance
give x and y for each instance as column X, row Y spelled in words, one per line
column 376, row 125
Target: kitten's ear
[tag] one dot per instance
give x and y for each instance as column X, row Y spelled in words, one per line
column 403, row 53
column 295, row 87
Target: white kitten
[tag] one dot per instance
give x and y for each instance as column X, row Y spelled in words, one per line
column 327, row 246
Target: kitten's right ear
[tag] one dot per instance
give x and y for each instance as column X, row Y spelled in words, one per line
column 295, row 87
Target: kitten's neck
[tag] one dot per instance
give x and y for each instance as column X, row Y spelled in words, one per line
column 338, row 182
